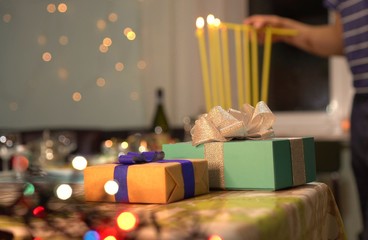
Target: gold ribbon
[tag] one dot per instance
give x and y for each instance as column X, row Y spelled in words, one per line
column 220, row 125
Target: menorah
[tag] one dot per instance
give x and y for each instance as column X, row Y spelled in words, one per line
column 219, row 56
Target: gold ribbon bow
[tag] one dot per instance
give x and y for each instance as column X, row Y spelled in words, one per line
column 220, row 125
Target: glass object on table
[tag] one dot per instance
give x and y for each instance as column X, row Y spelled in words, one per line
column 8, row 147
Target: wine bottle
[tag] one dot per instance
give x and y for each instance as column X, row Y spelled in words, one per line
column 160, row 123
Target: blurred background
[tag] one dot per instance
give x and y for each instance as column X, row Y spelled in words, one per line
column 81, row 78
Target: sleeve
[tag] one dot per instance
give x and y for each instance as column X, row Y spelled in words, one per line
column 331, row 4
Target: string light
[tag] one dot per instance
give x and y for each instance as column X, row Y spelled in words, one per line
column 64, row 191
column 127, row 221
column 111, row 187
column 79, row 163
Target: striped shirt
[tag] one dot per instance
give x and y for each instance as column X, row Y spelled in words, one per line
column 354, row 16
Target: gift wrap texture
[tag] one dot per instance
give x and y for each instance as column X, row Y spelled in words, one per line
column 271, row 164
column 146, row 183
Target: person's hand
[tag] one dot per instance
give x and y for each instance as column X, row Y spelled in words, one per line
column 260, row 22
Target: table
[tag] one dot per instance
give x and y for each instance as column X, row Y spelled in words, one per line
column 305, row 212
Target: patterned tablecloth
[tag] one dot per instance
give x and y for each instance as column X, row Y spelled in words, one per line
column 305, row 212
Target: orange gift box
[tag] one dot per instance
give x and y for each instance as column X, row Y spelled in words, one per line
column 146, row 183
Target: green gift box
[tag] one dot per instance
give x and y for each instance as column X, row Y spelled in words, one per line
column 271, row 164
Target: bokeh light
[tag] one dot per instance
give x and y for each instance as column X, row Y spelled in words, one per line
column 101, row 82
column 41, row 40
column 29, row 189
column 214, row 237
column 141, row 64
column 119, row 66
column 20, row 163
column 101, row 24
column 111, row 187
column 91, row 235
column 39, row 211
column 77, row 96
column 110, row 238
column 113, row 17
column 46, row 56
column 7, row 18
column 51, row 8
column 127, row 221
column 62, row 7
column 79, row 163
column 63, row 40
column 64, row 191
column 107, row 41
column 124, row 145
column 131, row 35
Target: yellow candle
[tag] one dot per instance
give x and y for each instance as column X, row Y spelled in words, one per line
column 204, row 62
column 266, row 64
column 247, row 66
column 239, row 65
column 255, row 89
column 225, row 53
column 212, row 51
column 219, row 65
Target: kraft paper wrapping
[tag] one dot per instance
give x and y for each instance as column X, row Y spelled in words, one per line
column 147, row 183
column 214, row 153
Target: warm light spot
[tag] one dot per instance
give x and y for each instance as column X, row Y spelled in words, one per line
column 141, row 64
column 41, row 40
column 100, row 82
column 200, row 22
column 113, row 17
column 77, row 96
column 79, row 163
column 107, row 42
column 62, row 7
column 345, row 125
column 124, row 145
column 131, row 35
column 101, row 24
column 108, row 143
column 210, row 19
column 214, row 237
column 126, row 221
column 20, row 163
column 217, row 22
column 134, row 96
column 51, row 8
column 142, row 148
column 127, row 30
column 103, row 48
column 111, row 187
column 13, row 106
column 63, row 74
column 7, row 18
column 49, row 154
column 46, row 56
column 64, row 191
column 63, row 40
column 110, row 238
column 119, row 66
column 2, row 139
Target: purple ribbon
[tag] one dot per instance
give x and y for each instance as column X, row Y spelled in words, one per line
column 121, row 172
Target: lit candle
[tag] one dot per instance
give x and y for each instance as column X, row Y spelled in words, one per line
column 204, row 62
column 212, row 51
column 225, row 54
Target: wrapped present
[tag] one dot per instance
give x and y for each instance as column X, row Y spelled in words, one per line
column 161, row 181
column 257, row 161
column 253, row 164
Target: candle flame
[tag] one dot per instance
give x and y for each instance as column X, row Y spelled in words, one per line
column 200, row 22
column 217, row 22
column 210, row 19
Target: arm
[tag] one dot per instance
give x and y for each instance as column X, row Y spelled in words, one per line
column 323, row 40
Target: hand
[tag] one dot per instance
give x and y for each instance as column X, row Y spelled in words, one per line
column 260, row 22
